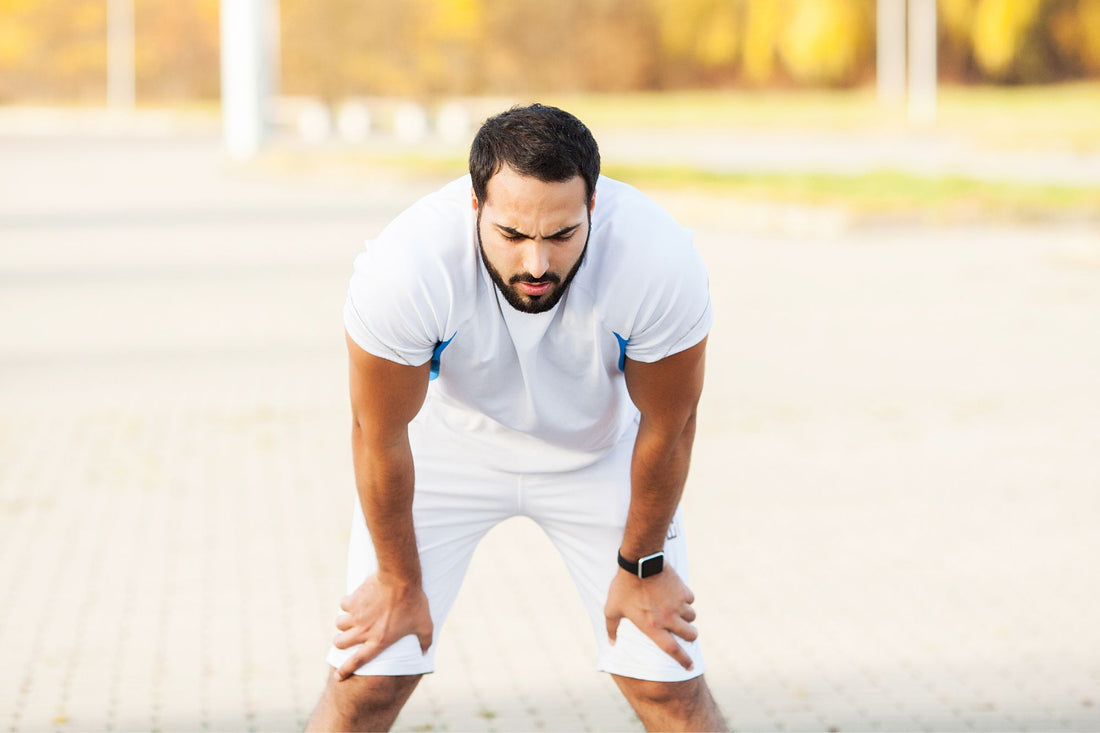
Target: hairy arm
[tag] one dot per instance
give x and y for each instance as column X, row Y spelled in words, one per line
column 391, row 604
column 666, row 393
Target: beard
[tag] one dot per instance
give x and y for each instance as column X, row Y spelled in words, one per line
column 532, row 303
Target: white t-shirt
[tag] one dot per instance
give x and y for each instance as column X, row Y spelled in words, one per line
column 529, row 392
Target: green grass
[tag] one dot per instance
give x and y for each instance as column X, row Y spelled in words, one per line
column 880, row 193
column 765, row 109
column 1057, row 116
column 1061, row 117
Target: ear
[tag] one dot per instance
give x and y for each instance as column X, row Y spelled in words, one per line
column 592, row 202
column 473, row 200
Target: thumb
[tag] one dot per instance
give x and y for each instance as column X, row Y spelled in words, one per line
column 612, row 627
column 425, row 641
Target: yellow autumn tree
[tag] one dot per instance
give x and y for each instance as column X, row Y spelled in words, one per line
column 56, row 50
column 704, row 32
column 17, row 36
column 449, row 37
column 1089, row 19
column 1076, row 31
column 826, row 41
column 1000, row 34
column 176, row 49
column 53, row 49
column 762, row 23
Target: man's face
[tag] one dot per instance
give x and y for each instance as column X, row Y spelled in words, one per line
column 532, row 235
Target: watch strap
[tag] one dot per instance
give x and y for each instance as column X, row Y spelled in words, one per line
column 645, row 567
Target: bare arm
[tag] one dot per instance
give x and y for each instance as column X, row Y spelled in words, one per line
column 666, row 393
column 391, row 604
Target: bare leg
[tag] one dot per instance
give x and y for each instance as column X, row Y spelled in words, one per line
column 361, row 703
column 673, row 706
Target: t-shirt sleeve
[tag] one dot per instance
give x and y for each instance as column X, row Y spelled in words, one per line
column 392, row 310
column 676, row 312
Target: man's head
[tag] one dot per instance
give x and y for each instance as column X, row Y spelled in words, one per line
column 534, row 172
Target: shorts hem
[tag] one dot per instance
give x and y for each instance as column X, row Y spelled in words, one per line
column 638, row 673
column 374, row 668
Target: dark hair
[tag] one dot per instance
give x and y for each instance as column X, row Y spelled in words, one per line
column 544, row 142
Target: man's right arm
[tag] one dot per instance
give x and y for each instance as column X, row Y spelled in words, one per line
column 390, row 604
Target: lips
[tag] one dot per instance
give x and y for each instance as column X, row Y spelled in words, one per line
column 533, row 289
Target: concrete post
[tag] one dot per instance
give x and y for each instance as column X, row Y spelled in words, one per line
column 922, row 61
column 890, row 52
column 246, row 67
column 121, row 84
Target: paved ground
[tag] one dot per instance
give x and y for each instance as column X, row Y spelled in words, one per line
column 893, row 506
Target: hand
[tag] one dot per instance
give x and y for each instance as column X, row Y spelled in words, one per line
column 376, row 615
column 660, row 606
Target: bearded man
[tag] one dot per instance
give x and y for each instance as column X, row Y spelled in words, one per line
column 529, row 340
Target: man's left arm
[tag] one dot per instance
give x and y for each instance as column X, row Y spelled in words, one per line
column 666, row 392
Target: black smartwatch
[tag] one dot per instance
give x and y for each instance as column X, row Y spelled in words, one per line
column 646, row 567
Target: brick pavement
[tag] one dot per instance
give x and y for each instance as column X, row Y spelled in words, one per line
column 892, row 506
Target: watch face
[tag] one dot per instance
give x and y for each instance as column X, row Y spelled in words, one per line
column 651, row 565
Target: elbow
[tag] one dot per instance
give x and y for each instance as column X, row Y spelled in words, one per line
column 686, row 439
column 672, row 431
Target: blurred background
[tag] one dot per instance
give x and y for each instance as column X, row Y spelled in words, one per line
column 895, row 486
column 968, row 89
column 56, row 51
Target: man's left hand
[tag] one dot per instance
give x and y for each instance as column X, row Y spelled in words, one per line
column 660, row 606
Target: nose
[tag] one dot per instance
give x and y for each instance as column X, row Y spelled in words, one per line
column 536, row 258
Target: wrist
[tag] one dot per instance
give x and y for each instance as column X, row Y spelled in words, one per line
column 645, row 566
column 399, row 581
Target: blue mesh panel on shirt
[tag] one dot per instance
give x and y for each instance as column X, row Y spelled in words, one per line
column 435, row 357
column 622, row 351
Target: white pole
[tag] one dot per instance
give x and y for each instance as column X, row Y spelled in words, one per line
column 922, row 61
column 273, row 50
column 121, row 93
column 890, row 52
column 246, row 70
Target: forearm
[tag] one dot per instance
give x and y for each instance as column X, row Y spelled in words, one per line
column 384, row 481
column 658, row 472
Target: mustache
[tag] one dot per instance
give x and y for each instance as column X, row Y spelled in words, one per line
column 529, row 278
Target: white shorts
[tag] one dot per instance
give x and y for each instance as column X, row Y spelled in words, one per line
column 457, row 501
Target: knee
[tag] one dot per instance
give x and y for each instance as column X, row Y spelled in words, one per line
column 680, row 706
column 362, row 702
column 660, row 694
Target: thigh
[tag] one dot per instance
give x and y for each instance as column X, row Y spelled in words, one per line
column 584, row 514
column 455, row 503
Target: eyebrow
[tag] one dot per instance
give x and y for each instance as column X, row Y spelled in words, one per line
column 516, row 233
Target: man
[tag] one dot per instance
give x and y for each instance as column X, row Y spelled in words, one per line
column 560, row 318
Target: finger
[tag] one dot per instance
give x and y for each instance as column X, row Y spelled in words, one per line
column 612, row 627
column 426, row 633
column 688, row 614
column 690, row 596
column 366, row 653
column 345, row 640
column 669, row 646
column 684, row 630
column 345, row 603
column 344, row 622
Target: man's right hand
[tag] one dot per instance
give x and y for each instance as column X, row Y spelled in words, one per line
column 376, row 615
